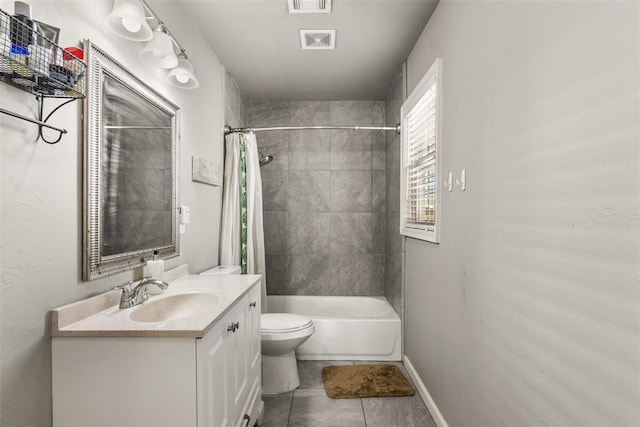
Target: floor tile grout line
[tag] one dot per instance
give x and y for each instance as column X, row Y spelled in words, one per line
column 364, row 416
column 290, row 408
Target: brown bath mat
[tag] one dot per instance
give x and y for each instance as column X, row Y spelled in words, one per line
column 353, row 381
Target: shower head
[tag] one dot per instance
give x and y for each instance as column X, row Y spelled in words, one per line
column 264, row 160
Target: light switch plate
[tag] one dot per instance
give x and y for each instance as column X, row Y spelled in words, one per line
column 185, row 215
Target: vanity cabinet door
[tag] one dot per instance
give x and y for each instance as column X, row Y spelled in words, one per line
column 255, row 350
column 254, row 359
column 212, row 360
column 222, row 373
column 228, row 366
column 238, row 361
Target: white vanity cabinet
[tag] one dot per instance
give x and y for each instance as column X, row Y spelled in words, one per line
column 228, row 355
column 212, row 381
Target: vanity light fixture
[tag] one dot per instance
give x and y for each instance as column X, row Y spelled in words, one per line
column 182, row 76
column 159, row 50
column 129, row 18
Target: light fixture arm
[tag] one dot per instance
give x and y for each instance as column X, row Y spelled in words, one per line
column 164, row 28
column 183, row 55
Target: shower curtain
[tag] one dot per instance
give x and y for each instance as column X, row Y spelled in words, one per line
column 242, row 233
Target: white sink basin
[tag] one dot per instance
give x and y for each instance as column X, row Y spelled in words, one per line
column 174, row 307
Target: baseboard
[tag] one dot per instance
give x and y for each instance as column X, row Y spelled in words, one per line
column 424, row 394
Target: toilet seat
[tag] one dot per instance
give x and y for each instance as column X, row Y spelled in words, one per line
column 273, row 323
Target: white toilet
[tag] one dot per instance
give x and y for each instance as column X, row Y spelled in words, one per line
column 281, row 334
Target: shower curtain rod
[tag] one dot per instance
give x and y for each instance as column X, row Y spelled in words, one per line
column 229, row 129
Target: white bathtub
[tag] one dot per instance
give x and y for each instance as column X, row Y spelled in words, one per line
column 347, row 328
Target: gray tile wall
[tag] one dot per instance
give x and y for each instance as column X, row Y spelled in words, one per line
column 394, row 244
column 324, row 197
column 234, row 106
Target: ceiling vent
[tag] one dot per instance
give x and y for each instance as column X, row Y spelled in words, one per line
column 309, row 6
column 318, row 39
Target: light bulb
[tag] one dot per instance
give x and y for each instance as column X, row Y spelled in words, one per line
column 182, row 75
column 131, row 25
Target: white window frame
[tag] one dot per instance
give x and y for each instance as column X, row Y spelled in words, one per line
column 428, row 233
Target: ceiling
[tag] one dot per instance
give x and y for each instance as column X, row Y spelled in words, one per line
column 258, row 42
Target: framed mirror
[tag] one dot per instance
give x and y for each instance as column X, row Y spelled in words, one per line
column 130, row 170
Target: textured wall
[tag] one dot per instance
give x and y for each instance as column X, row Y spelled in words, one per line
column 324, row 197
column 394, row 243
column 526, row 313
column 42, row 199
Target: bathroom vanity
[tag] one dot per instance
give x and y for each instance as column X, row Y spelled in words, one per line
column 187, row 357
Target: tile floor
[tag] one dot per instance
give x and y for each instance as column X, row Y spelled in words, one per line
column 309, row 406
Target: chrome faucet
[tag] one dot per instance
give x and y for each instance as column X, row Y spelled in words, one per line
column 138, row 294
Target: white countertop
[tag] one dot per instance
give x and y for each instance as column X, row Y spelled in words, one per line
column 100, row 316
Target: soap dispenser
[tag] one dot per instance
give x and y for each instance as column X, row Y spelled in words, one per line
column 156, row 271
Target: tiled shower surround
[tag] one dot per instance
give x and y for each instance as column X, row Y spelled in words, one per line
column 394, row 247
column 234, row 106
column 324, row 197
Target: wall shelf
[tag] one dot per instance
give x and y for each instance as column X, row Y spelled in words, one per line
column 34, row 64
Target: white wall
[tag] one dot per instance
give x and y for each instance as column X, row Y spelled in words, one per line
column 527, row 312
column 42, row 203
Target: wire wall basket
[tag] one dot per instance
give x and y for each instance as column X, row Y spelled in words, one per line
column 31, row 62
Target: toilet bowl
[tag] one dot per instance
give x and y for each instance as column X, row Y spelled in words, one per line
column 281, row 334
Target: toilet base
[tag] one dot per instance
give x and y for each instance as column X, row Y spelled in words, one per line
column 279, row 373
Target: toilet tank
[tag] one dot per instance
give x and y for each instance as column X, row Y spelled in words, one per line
column 223, row 269
column 235, row 269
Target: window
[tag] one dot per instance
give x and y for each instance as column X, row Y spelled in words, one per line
column 420, row 154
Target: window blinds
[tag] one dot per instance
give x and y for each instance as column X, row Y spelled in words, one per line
column 420, row 167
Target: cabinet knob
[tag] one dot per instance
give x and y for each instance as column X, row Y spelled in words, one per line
column 231, row 327
column 252, row 304
column 237, row 325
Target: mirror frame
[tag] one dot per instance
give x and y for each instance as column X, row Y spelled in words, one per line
column 95, row 265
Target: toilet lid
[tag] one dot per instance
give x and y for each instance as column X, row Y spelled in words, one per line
column 284, row 322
